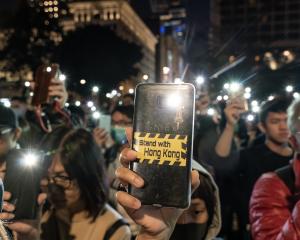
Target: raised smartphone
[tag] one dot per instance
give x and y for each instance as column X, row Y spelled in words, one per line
column 163, row 136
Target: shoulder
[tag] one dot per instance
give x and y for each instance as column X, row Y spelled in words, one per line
column 268, row 186
column 110, row 217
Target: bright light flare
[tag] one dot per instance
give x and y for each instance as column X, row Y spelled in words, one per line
column 289, row 88
column 96, row 115
column 62, row 77
column 90, row 104
column 173, row 101
column 250, row 118
column 200, row 80
column 211, row 111
column 77, row 103
column 95, row 89
column 30, row 159
column 131, row 91
column 27, row 84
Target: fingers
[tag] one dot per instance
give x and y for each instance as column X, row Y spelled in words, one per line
column 129, row 177
column 127, row 156
column 8, row 207
column 195, row 180
column 129, row 133
column 127, row 201
column 6, row 216
column 6, row 196
column 42, row 198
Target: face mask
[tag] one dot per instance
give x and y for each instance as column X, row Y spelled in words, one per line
column 191, row 231
column 20, row 112
column 56, row 195
column 119, row 135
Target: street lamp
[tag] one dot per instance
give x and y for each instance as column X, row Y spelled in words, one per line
column 27, row 84
column 131, row 91
column 82, row 81
column 166, row 70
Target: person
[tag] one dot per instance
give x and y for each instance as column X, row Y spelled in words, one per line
column 77, row 192
column 274, row 205
column 202, row 220
column 9, row 135
column 156, row 223
column 249, row 164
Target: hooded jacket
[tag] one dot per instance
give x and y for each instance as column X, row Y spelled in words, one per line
column 215, row 226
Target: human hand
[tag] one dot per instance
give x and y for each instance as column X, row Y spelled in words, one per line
column 233, row 111
column 23, row 229
column 58, row 90
column 156, row 223
column 102, row 138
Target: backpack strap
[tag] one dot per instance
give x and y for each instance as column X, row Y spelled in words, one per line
column 286, row 174
column 113, row 228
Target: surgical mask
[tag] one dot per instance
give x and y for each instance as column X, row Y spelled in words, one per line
column 56, row 195
column 19, row 112
column 119, row 134
column 190, row 231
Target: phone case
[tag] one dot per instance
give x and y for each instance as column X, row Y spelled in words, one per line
column 42, row 82
column 163, row 136
column 24, row 184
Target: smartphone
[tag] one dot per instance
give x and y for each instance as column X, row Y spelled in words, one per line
column 163, row 136
column 238, row 95
column 105, row 122
column 24, row 172
column 43, row 76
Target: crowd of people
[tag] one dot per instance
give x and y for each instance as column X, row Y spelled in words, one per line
column 245, row 175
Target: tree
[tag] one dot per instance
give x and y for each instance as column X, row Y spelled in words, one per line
column 29, row 40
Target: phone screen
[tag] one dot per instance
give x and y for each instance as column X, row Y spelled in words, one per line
column 105, row 122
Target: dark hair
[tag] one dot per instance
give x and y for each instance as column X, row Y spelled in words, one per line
column 277, row 105
column 206, row 192
column 82, row 160
column 126, row 110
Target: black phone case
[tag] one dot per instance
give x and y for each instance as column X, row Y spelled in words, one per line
column 163, row 136
column 24, row 185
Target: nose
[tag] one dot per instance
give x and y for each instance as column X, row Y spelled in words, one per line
column 283, row 125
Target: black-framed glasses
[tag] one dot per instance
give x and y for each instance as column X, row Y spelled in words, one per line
column 61, row 180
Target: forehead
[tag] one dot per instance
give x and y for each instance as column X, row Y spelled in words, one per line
column 274, row 115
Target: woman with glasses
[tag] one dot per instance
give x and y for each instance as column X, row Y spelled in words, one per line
column 77, row 192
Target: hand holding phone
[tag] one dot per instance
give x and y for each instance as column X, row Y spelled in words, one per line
column 163, row 136
column 24, row 172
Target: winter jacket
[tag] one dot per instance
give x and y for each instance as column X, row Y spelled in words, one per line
column 274, row 209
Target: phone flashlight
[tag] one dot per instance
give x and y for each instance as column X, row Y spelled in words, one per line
column 30, row 159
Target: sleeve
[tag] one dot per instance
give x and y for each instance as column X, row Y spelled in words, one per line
column 270, row 215
column 208, row 155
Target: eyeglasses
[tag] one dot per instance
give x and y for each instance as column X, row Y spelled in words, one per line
column 61, row 180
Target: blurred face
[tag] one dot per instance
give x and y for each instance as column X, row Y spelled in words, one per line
column 120, row 119
column 7, row 142
column 196, row 213
column 64, row 191
column 276, row 128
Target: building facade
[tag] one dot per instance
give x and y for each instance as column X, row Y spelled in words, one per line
column 172, row 16
column 127, row 24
